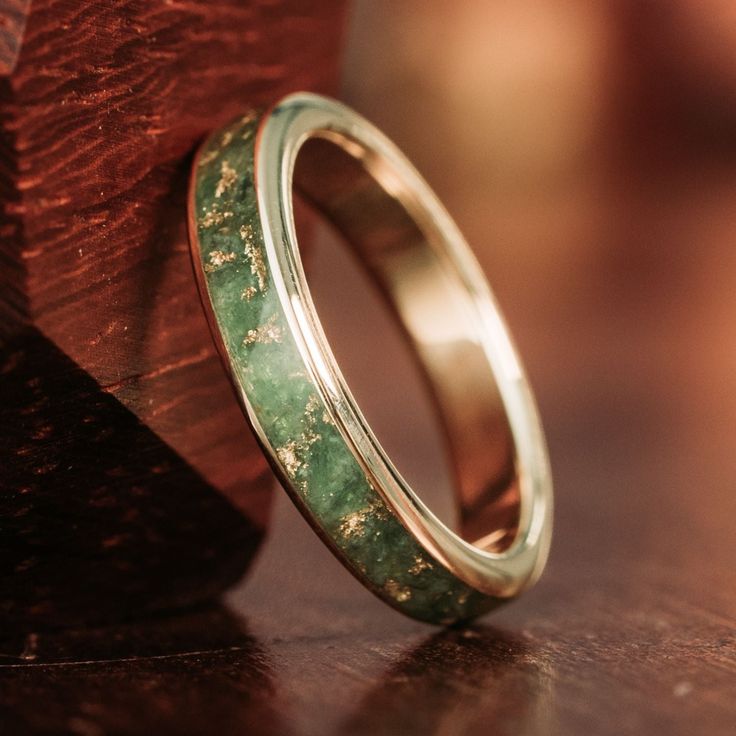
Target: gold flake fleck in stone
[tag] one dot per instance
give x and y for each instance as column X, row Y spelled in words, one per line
column 398, row 592
column 255, row 256
column 312, row 405
column 249, row 293
column 228, row 176
column 379, row 510
column 227, row 136
column 219, row 258
column 207, row 157
column 267, row 333
column 420, row 564
column 213, row 217
column 327, row 419
column 462, row 599
column 288, row 457
column 353, row 525
column 294, row 454
column 309, row 437
column 248, row 129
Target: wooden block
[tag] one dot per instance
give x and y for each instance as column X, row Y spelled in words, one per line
column 129, row 481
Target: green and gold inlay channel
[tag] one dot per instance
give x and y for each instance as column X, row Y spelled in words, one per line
column 283, row 403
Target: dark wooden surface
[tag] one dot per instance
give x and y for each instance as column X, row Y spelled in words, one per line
column 614, row 260
column 129, row 482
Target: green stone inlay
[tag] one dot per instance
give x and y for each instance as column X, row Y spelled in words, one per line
column 326, row 480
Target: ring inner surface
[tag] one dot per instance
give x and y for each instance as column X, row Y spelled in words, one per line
column 407, row 257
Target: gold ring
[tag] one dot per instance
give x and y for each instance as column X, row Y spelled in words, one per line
column 247, row 259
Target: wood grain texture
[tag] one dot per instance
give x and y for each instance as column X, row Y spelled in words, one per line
column 101, row 105
column 13, row 14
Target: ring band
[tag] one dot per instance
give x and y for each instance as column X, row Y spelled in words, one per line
column 254, row 290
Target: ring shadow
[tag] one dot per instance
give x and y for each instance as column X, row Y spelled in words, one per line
column 463, row 680
column 100, row 520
